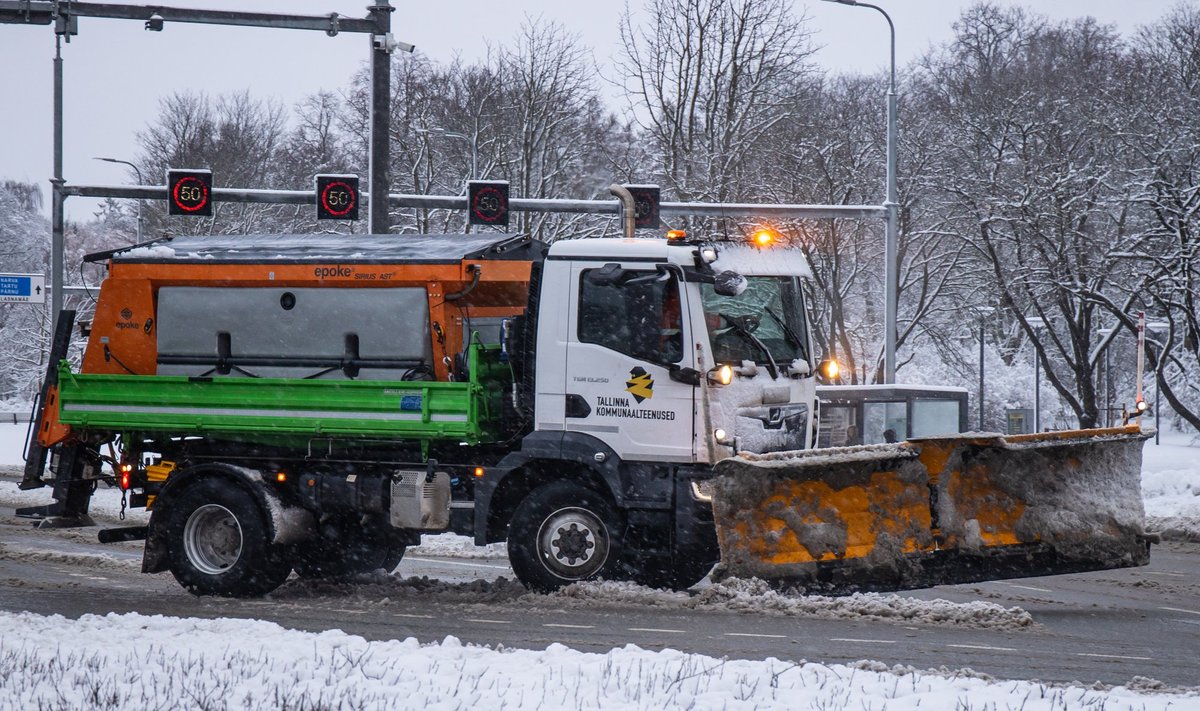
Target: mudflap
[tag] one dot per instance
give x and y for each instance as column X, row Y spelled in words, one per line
column 35, row 452
column 944, row 510
column 75, row 468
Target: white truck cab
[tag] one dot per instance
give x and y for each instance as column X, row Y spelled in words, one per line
column 656, row 363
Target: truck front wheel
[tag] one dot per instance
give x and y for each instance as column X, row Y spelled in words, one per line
column 562, row 533
column 219, row 542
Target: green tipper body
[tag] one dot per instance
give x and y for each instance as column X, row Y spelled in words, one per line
column 283, row 410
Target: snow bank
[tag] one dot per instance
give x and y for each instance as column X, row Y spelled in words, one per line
column 757, row 597
column 1171, row 487
column 91, row 561
column 248, row 664
column 753, row 597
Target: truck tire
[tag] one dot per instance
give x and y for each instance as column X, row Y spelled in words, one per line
column 219, row 542
column 563, row 533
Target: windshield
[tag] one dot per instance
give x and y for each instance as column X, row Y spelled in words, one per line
column 770, row 311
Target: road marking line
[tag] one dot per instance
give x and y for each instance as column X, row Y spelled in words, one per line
column 570, row 627
column 865, row 641
column 983, row 647
column 752, row 634
column 1178, row 609
column 1114, row 656
column 1156, row 572
column 416, row 617
column 1027, row 587
column 652, row 629
column 488, row 622
column 455, row 562
column 350, row 612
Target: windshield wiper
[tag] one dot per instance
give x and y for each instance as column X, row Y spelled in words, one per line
column 740, row 328
column 788, row 333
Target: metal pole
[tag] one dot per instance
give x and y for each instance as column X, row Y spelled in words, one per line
column 891, row 204
column 57, row 220
column 981, row 335
column 1157, row 387
column 1037, row 393
column 892, row 236
column 459, row 202
column 381, row 80
column 1107, row 388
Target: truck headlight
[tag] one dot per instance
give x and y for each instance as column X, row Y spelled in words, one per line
column 721, row 375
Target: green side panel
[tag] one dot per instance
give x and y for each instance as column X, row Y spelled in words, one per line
column 283, row 407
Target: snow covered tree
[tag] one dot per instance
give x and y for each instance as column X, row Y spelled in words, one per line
column 24, row 248
column 1025, row 177
column 1163, row 170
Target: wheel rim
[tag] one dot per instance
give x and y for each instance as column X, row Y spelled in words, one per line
column 573, row 543
column 212, row 539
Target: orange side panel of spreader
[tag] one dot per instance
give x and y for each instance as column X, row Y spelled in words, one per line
column 124, row 338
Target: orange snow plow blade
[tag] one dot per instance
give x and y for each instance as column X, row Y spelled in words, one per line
column 934, row 511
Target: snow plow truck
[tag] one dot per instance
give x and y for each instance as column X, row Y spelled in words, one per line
column 636, row 409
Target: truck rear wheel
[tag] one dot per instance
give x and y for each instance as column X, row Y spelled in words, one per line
column 563, row 533
column 219, row 542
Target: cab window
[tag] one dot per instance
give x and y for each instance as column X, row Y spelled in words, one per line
column 639, row 315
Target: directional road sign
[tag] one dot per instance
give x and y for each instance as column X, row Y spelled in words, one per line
column 23, row 288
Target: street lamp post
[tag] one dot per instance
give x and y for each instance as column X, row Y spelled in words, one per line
column 1036, row 322
column 983, row 314
column 892, row 206
column 1155, row 328
column 140, row 182
column 1106, row 366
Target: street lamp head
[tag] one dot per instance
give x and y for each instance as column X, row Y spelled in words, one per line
column 122, row 162
column 436, row 131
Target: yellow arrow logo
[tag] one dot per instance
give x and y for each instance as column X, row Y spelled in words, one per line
column 640, row 385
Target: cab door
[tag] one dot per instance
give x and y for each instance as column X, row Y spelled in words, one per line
column 627, row 333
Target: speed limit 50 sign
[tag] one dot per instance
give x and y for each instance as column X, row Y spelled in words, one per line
column 337, row 197
column 488, row 202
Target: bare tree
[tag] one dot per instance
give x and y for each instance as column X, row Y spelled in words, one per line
column 706, row 81
column 240, row 138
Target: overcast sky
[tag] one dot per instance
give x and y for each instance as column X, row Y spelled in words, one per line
column 116, row 72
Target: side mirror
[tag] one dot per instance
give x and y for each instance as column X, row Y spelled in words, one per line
column 729, row 283
column 687, row 376
column 606, row 275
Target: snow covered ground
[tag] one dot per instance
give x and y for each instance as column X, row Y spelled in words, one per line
column 239, row 664
column 1171, row 486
